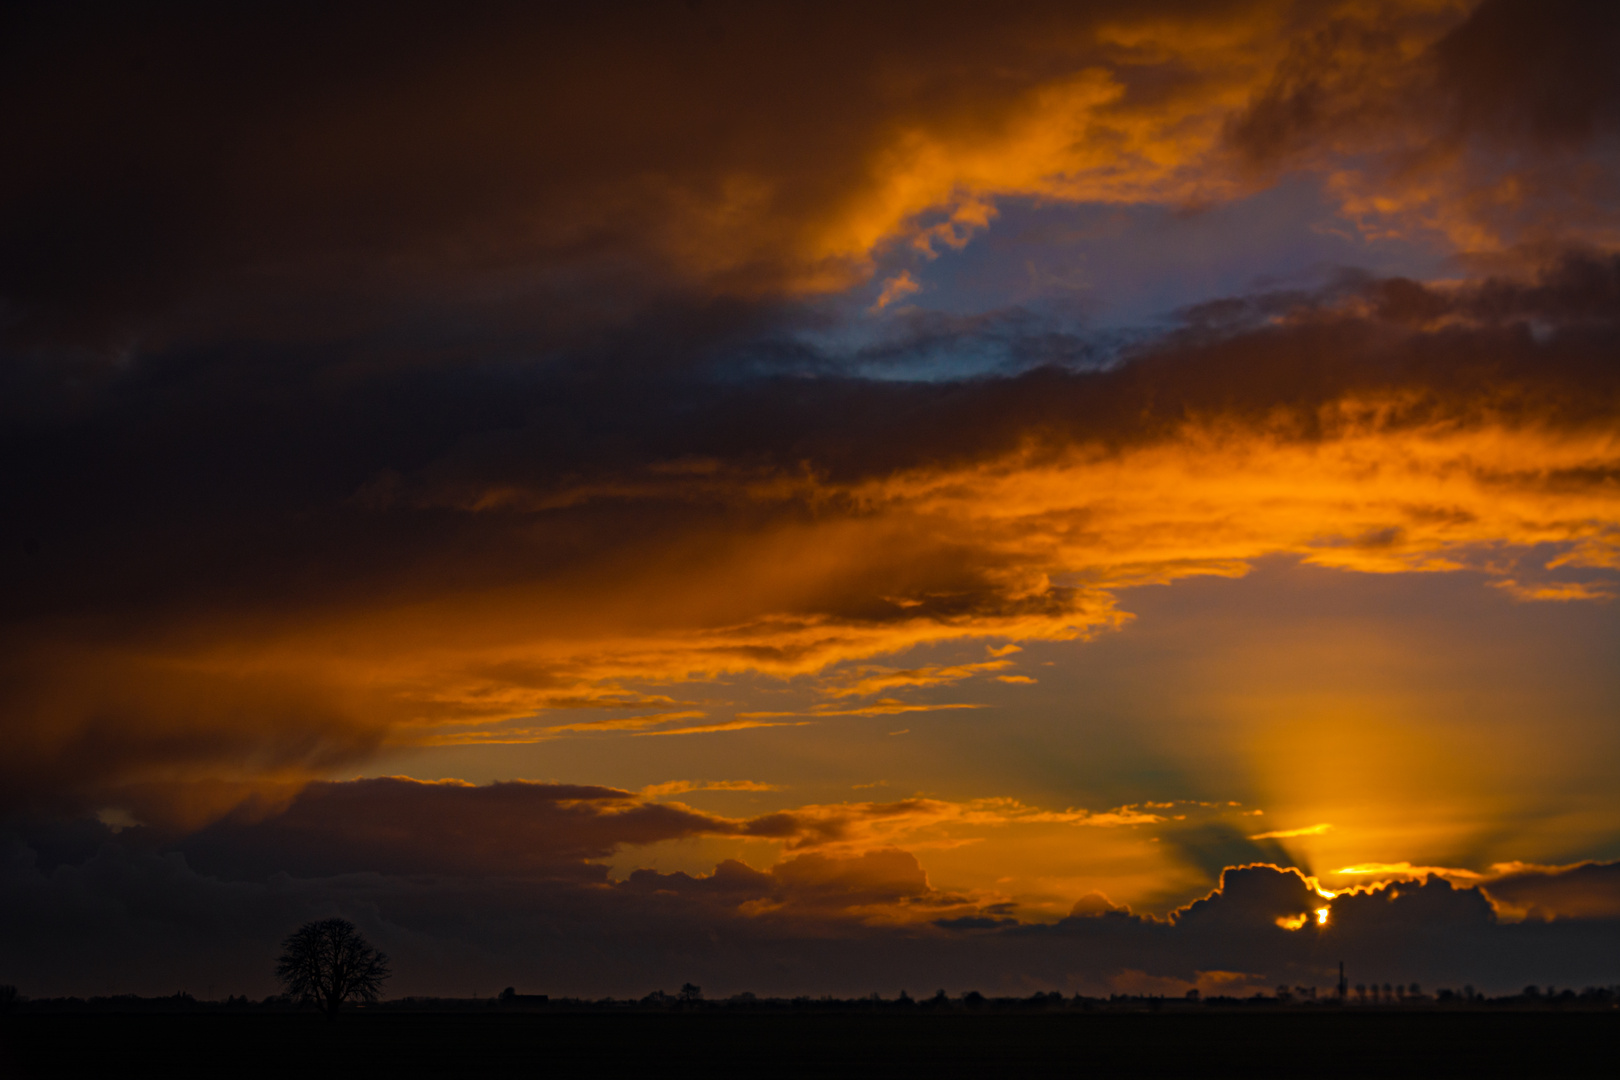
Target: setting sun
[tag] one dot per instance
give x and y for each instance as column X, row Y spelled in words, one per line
column 812, row 500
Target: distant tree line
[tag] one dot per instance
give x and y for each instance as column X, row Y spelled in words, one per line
column 1604, row 998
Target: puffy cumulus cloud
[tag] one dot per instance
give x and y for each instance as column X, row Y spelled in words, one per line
column 220, row 605
column 1266, row 925
column 1251, row 893
column 1515, row 890
column 90, row 911
column 1584, row 891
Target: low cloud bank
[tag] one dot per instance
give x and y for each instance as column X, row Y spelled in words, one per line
column 474, row 888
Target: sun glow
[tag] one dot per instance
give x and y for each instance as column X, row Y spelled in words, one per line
column 1182, row 418
column 1303, row 919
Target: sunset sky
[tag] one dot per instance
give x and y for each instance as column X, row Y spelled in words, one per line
column 811, row 498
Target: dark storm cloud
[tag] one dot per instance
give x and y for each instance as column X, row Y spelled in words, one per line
column 98, row 911
column 1512, row 72
column 805, row 887
column 297, row 170
column 196, row 173
column 1585, row 891
column 193, row 552
column 397, row 825
column 1539, row 69
column 1494, row 134
column 394, row 825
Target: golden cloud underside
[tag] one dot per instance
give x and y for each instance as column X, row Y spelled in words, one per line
column 791, row 575
column 490, row 593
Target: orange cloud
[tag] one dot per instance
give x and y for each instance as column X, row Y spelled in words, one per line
column 422, row 405
column 922, row 823
column 1557, row 591
column 1070, row 496
column 455, row 592
column 896, row 288
column 680, row 787
column 783, row 156
column 1443, row 119
column 850, row 860
column 739, row 723
column 880, row 707
column 865, row 680
column 1405, row 871
column 1284, row 834
column 520, row 735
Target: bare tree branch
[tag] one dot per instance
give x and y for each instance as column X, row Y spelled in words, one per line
column 329, row 962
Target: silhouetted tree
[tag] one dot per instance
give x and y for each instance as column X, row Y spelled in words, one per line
column 691, row 993
column 328, row 962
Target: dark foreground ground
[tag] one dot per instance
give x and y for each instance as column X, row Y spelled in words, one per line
column 1366, row 1045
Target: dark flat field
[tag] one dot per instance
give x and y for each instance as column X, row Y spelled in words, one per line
column 1303, row 1045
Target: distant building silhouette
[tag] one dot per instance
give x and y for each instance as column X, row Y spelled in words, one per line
column 511, row 998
